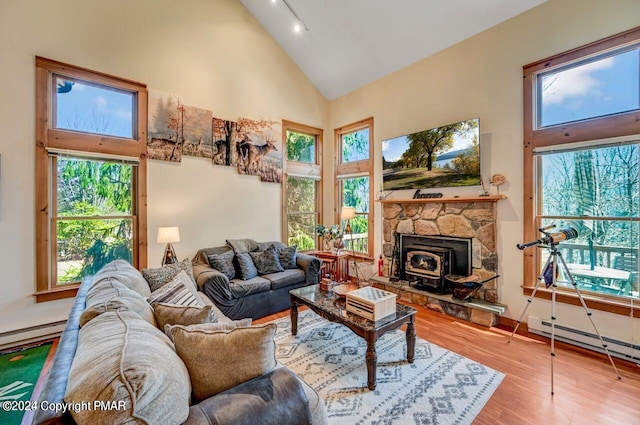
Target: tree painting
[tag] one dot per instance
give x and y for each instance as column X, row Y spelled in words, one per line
column 259, row 149
column 164, row 139
column 439, row 157
column 225, row 135
column 197, row 132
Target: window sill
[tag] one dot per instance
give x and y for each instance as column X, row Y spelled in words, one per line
column 625, row 307
column 68, row 291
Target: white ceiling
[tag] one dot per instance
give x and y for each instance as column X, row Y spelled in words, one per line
column 350, row 43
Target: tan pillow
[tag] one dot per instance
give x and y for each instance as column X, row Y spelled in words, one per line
column 120, row 357
column 219, row 360
column 217, row 326
column 125, row 273
column 178, row 291
column 161, row 275
column 110, row 294
column 171, row 314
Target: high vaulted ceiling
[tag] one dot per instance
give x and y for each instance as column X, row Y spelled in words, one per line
column 350, row 43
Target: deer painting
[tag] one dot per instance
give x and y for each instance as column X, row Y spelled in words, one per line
column 251, row 155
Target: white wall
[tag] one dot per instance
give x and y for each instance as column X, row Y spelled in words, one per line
column 213, row 53
column 482, row 77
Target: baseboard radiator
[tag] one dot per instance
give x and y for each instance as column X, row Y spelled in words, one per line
column 621, row 349
column 31, row 334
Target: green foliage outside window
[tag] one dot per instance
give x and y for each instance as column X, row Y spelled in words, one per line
column 301, row 147
column 89, row 194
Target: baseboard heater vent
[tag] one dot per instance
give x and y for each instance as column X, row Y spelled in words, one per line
column 31, row 334
column 590, row 341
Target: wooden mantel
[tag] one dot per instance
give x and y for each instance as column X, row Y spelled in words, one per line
column 490, row 198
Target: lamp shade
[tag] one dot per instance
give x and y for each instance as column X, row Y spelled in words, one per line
column 168, row 234
column 348, row 213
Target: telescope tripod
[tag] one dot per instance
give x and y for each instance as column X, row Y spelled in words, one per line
column 553, row 260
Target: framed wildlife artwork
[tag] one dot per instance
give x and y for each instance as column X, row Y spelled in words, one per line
column 225, row 136
column 197, row 137
column 259, row 149
column 164, row 136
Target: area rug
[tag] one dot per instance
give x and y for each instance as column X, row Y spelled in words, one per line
column 440, row 387
column 19, row 373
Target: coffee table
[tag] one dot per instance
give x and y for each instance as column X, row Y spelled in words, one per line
column 326, row 304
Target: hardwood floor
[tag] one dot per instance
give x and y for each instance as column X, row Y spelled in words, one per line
column 587, row 390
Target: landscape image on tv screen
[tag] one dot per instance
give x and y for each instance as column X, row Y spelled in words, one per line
column 445, row 156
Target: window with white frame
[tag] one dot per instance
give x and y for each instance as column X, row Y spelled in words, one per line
column 581, row 166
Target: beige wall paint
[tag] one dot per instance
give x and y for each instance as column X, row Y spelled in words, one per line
column 482, row 77
column 213, row 53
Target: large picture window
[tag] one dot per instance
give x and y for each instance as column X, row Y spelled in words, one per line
column 302, row 185
column 354, row 171
column 581, row 158
column 90, row 175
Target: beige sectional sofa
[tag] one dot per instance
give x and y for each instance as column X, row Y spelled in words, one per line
column 114, row 365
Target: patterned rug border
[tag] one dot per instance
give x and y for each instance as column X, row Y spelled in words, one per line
column 337, row 371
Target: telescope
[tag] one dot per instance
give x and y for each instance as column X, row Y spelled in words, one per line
column 552, row 238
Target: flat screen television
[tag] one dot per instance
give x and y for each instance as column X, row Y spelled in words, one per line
column 445, row 156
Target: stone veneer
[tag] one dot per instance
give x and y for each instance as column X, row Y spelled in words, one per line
column 476, row 220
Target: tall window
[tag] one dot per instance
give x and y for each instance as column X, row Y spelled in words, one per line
column 582, row 157
column 354, row 153
column 302, row 185
column 90, row 175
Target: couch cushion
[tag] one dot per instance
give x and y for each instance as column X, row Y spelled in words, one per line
column 171, row 314
column 123, row 358
column 223, row 263
column 110, row 294
column 267, row 261
column 157, row 277
column 177, row 291
column 242, row 245
column 242, row 288
column 246, row 269
column 219, row 360
column 287, row 256
column 125, row 273
column 285, row 278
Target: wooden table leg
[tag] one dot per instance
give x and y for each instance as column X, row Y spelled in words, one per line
column 411, row 339
column 293, row 312
column 372, row 361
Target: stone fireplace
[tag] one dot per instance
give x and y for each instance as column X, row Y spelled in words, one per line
column 448, row 220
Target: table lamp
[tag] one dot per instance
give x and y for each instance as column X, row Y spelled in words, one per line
column 169, row 235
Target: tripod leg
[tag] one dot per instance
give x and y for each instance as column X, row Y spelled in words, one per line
column 529, row 300
column 586, row 309
column 554, row 254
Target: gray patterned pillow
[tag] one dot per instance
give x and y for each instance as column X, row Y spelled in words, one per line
column 267, row 261
column 287, row 257
column 161, row 275
column 246, row 269
column 223, row 263
column 176, row 292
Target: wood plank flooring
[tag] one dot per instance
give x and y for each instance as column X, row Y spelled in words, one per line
column 587, row 390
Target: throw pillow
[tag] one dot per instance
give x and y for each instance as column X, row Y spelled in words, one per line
column 242, row 245
column 171, row 314
column 267, row 261
column 287, row 257
column 218, row 360
column 223, row 263
column 217, row 326
column 161, row 275
column 178, row 291
column 122, row 357
column 246, row 269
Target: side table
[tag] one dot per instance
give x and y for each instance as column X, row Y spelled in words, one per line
column 334, row 264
